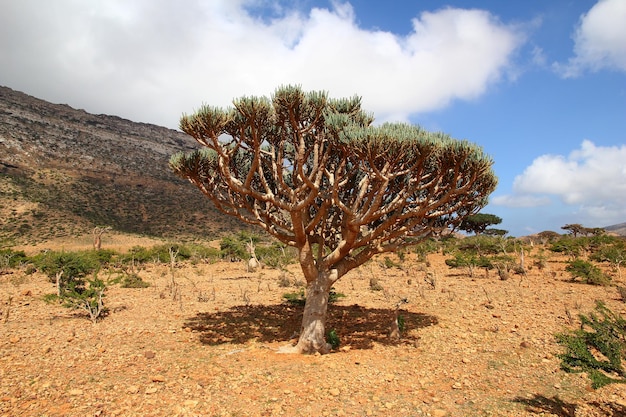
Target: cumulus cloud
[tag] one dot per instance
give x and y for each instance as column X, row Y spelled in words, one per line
column 151, row 60
column 599, row 40
column 591, row 180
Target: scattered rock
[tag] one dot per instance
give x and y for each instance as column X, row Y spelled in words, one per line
column 158, row 378
column 149, row 354
column 26, row 293
column 133, row 389
column 334, row 392
column 524, row 344
column 190, row 403
column 14, row 339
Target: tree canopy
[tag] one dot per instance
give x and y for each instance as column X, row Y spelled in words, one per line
column 315, row 173
column 478, row 223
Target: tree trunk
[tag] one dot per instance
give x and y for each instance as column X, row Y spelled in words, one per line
column 312, row 334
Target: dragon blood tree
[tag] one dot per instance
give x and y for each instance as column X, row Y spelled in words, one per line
column 314, row 173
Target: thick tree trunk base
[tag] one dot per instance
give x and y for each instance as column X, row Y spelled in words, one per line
column 312, row 334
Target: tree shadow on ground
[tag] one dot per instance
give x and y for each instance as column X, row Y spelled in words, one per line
column 540, row 404
column 357, row 326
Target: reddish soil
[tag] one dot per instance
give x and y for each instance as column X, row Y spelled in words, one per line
column 473, row 347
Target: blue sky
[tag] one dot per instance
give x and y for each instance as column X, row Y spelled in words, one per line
column 540, row 85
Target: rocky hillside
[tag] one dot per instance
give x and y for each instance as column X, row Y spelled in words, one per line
column 618, row 229
column 64, row 171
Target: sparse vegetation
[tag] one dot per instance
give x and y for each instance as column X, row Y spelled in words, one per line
column 69, row 269
column 87, row 295
column 299, row 297
column 333, row 339
column 588, row 272
column 597, row 348
column 132, row 280
column 10, row 258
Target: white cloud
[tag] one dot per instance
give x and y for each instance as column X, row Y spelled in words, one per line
column 151, row 60
column 520, row 200
column 600, row 40
column 591, row 180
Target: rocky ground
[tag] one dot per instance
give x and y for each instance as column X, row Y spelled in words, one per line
column 472, row 346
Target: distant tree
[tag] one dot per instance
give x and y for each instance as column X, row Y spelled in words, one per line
column 548, row 236
column 478, row 223
column 595, row 231
column 317, row 175
column 97, row 236
column 495, row 232
column 574, row 229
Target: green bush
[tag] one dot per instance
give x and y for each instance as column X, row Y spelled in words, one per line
column 333, row 339
column 159, row 253
column 203, row 253
column 589, row 273
column 299, row 298
column 597, row 348
column 88, row 296
column 131, row 280
column 470, row 261
column 233, row 248
column 571, row 246
column 276, row 255
column 12, row 259
column 389, row 263
column 425, row 247
column 74, row 266
column 481, row 245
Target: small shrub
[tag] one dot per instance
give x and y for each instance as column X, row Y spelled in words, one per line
column 333, row 339
column 88, row 297
column 425, row 247
column 389, row 263
column 276, row 255
column 283, row 280
column 571, row 246
column 590, row 273
column 334, row 296
column 401, row 323
column 12, row 259
column 597, row 348
column 203, row 253
column 299, row 298
column 131, row 280
column 540, row 262
column 233, row 248
column 375, row 285
column 70, row 267
column 158, row 253
column 296, row 298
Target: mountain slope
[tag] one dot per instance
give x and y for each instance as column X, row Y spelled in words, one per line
column 619, row 229
column 64, row 171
